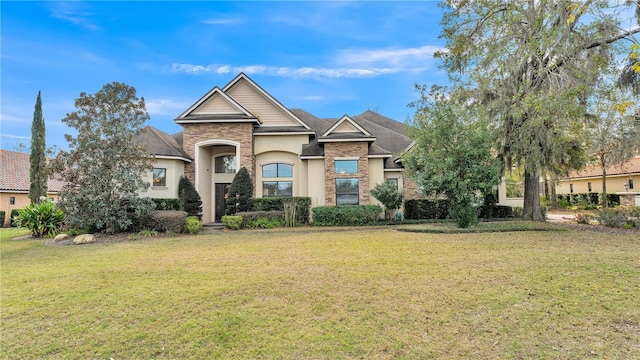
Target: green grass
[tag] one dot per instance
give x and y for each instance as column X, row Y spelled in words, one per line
column 10, row 233
column 444, row 227
column 368, row 293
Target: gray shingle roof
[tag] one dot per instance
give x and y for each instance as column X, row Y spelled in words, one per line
column 159, row 143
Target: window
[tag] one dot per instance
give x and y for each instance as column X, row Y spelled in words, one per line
column 346, row 167
column 347, row 191
column 277, row 170
column 277, row 188
column 159, row 177
column 589, row 186
column 571, row 188
column 394, row 181
column 630, row 183
column 12, row 200
column 225, row 164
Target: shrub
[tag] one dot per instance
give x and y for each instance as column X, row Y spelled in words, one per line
column 147, row 233
column 417, row 209
column 14, row 216
column 232, row 222
column 2, row 216
column 265, row 223
column 517, row 212
column 349, row 215
column 167, row 220
column 464, row 215
column 240, row 193
column 611, row 217
column 388, row 194
column 41, row 219
column 166, row 203
column 303, row 204
column 249, row 216
column 192, row 225
column 190, row 200
column 495, row 211
column 583, row 218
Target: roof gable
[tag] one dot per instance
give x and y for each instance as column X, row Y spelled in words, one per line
column 216, row 105
column 346, row 125
column 269, row 110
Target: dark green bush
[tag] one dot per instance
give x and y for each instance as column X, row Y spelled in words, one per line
column 495, row 212
column 2, row 215
column 166, row 203
column 161, row 221
column 303, row 204
column 347, row 215
column 252, row 216
column 190, row 200
column 240, row 196
column 264, row 223
column 418, row 209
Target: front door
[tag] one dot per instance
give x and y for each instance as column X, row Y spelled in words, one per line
column 221, row 200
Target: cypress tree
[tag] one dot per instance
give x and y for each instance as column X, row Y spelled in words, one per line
column 240, row 193
column 38, row 160
column 190, row 200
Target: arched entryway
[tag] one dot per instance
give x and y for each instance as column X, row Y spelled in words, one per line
column 216, row 163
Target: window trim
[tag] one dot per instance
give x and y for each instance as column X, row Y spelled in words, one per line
column 276, row 163
column 335, row 166
column 357, row 192
column 153, row 177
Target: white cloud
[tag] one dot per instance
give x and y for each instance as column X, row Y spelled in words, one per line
column 72, row 12
column 393, row 57
column 15, row 136
column 283, row 71
column 165, row 106
column 12, row 118
column 223, row 21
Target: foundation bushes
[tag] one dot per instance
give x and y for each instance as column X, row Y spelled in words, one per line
column 232, row 222
column 166, row 203
column 161, row 221
column 348, row 215
column 277, row 203
column 262, row 219
column 418, row 209
column 2, row 215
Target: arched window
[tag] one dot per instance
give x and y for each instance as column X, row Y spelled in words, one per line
column 225, row 164
column 281, row 186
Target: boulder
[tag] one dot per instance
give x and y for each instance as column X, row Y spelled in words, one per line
column 60, row 237
column 84, row 239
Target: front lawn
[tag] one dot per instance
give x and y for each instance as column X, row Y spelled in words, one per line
column 366, row 293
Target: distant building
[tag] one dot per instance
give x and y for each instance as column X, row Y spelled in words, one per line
column 15, row 182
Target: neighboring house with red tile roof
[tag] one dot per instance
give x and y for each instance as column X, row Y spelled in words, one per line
column 14, row 182
column 624, row 177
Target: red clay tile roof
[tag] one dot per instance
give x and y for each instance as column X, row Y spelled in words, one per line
column 630, row 167
column 14, row 173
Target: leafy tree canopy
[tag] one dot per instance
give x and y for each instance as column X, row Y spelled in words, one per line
column 533, row 64
column 452, row 154
column 104, row 168
column 388, row 194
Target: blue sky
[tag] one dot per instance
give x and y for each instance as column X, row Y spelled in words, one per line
column 329, row 58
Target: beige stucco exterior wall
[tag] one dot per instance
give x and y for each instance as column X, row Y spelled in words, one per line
column 21, row 201
column 316, row 181
column 614, row 184
column 259, row 105
column 278, row 157
column 376, row 176
column 175, row 169
column 292, row 143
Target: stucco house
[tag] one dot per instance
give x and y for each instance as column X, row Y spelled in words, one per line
column 621, row 179
column 15, row 182
column 288, row 152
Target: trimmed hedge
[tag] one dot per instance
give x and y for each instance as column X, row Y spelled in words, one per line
column 255, row 216
column 167, row 203
column 161, row 220
column 495, row 212
column 2, row 215
column 345, row 215
column 277, row 203
column 581, row 199
column 232, row 222
column 417, row 209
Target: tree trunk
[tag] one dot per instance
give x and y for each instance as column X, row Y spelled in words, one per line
column 554, row 196
column 532, row 210
column 604, row 187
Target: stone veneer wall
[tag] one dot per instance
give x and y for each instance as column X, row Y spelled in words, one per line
column 241, row 133
column 410, row 188
column 348, row 150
